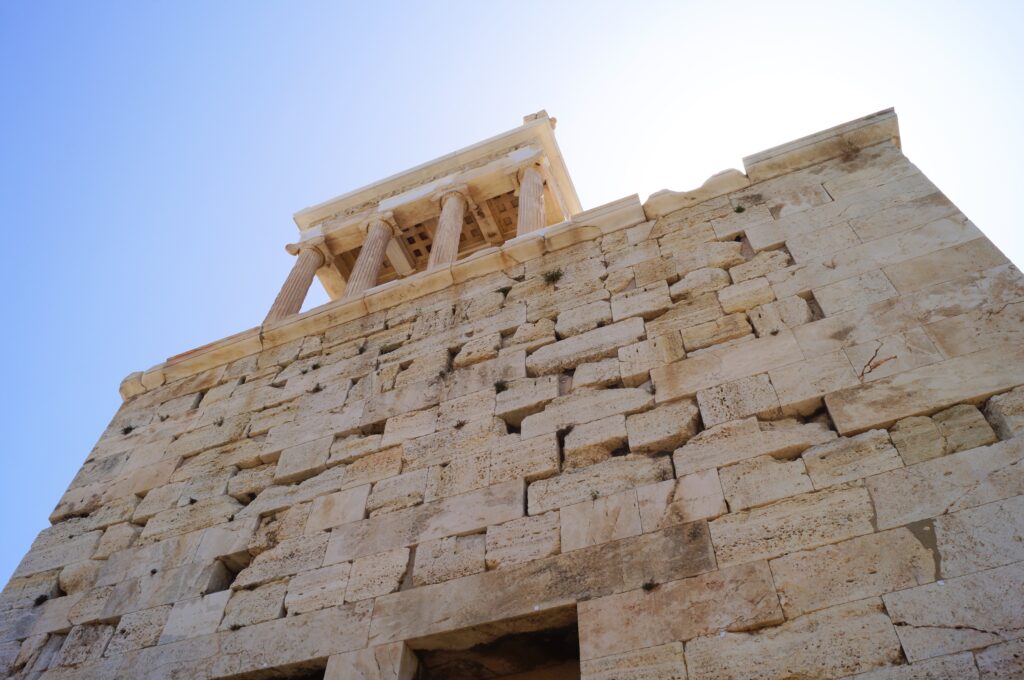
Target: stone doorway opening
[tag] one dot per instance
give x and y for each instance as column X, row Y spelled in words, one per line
column 540, row 647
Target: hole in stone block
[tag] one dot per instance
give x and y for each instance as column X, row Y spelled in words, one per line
column 542, row 646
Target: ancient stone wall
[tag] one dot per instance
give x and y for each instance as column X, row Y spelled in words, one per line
column 773, row 434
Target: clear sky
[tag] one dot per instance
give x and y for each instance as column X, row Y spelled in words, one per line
column 152, row 154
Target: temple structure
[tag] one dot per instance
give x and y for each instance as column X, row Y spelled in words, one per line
column 769, row 428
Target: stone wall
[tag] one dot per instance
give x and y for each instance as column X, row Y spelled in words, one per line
column 772, row 434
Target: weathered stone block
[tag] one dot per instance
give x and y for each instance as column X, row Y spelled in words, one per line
column 665, row 662
column 595, row 344
column 601, row 520
column 288, row 557
column 963, row 427
column 339, row 508
column 699, row 282
column 637, row 360
column 850, row 458
column 976, row 539
column 523, row 540
column 917, row 439
column 594, row 442
column 585, row 406
column 448, row 558
column 763, row 479
column 611, row 476
column 1006, row 413
column 394, row 493
column 751, row 293
column 772, row 318
column 679, row 501
column 738, row 440
column 583, row 318
column 753, row 396
column 664, row 428
column 375, row 575
column 248, row 607
column 714, row 332
column 647, row 302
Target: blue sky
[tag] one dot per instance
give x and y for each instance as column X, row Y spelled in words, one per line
column 152, row 154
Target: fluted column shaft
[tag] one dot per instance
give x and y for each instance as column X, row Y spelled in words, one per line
column 531, row 201
column 449, row 229
column 293, row 292
column 371, row 258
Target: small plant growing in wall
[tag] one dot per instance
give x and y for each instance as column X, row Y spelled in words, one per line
column 553, row 276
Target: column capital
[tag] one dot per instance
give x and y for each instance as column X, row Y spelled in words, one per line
column 386, row 218
column 317, row 244
column 442, row 195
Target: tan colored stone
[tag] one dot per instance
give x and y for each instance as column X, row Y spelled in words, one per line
column 637, row 360
column 512, row 457
column 772, row 318
column 386, row 662
column 138, row 629
column 857, row 291
column 373, row 468
column 797, row 523
column 892, row 354
column 753, row 396
column 751, row 293
column 448, row 558
column 531, row 336
column 759, row 265
column 647, row 302
column 459, row 475
column 738, row 440
column 523, row 540
column 520, row 398
column 317, row 589
column 963, row 427
column 303, row 461
column 583, row 318
column 917, row 439
column 603, row 479
column 338, row 508
column 664, row 428
column 714, row 332
column 288, row 557
column 248, row 607
column 944, row 265
column 463, row 514
column 840, row 641
column 585, row 406
column 948, row 484
column 408, row 426
column 1001, row 661
column 601, row 520
column 801, row 386
column 850, row 458
column 956, row 667
column 597, row 374
column 865, row 566
column 346, row 450
column 981, row 538
column 375, row 575
column 471, row 407
column 763, row 479
column 663, row 662
column 199, row 515
column 595, row 344
column 679, row 501
column 713, row 254
column 195, row 617
column 732, row 599
column 685, row 313
column 84, row 644
column 478, row 349
column 593, row 442
column 442, row 447
column 394, row 493
column 1006, row 413
column 699, row 282
column 958, row 614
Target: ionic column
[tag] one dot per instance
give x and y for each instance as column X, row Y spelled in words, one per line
column 371, row 258
column 531, row 201
column 449, row 229
column 293, row 292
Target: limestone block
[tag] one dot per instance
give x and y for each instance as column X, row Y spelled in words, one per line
column 944, row 265
column 844, row 640
column 548, row 301
column 373, row 468
column 531, row 336
column 448, row 558
column 248, row 607
column 714, row 332
column 339, row 508
column 698, row 282
column 297, row 432
column 637, row 360
column 194, row 617
column 685, row 313
column 772, row 318
column 465, row 409
column 1001, row 661
column 1006, row 413
column 375, row 575
column 394, row 493
column 509, row 365
column 955, row 667
column 679, row 501
column 583, row 318
column 732, row 599
column 386, row 662
column 822, row 242
column 138, row 629
column 622, row 279
column 199, row 515
column 604, row 519
column 958, row 614
column 664, row 428
column 759, row 265
column 290, row 556
column 317, row 589
column 512, row 457
column 22, row 591
column 247, row 484
column 849, row 458
column 739, row 399
column 917, row 439
column 303, row 461
column 584, row 406
column 948, row 484
column 443, row 447
column 647, row 302
column 992, row 324
column 902, row 215
column 409, row 426
column 74, row 549
column 746, row 295
column 684, row 233
column 84, row 644
column 593, row 442
column 892, row 354
column 478, row 349
column 216, row 434
column 543, row 584
column 856, row 291
column 596, row 344
column 79, row 576
column 597, row 374
column 609, row 477
column 520, row 398
column 797, row 523
column 687, row 377
column 963, row 427
column 346, row 450
column 714, row 254
column 523, row 540
column 459, row 475
column 732, row 442
column 865, row 566
column 763, row 479
column 275, row 498
column 414, row 397
column 981, row 538
column 801, row 386
column 665, row 662
column 463, row 514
